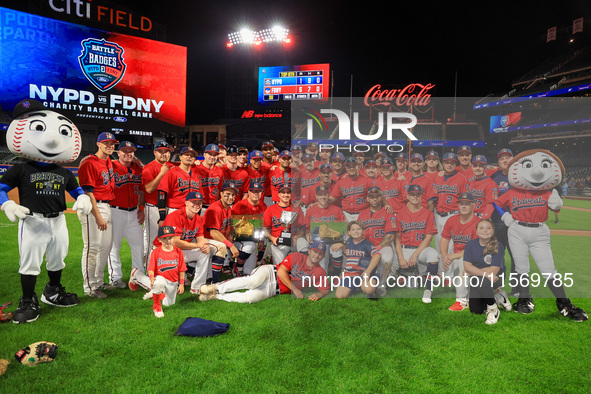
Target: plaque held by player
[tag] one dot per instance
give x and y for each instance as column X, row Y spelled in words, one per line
column 287, row 218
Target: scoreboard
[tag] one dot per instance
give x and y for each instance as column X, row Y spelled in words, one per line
column 304, row 82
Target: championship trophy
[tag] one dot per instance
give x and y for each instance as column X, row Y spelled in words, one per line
column 287, row 218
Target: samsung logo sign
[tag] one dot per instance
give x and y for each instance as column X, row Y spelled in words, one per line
column 120, row 119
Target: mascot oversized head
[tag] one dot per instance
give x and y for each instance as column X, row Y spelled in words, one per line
column 535, row 169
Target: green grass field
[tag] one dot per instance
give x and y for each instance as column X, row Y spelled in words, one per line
column 288, row 345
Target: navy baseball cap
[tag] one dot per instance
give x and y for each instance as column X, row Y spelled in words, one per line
column 285, row 186
column 256, row 154
column 127, row 144
column 370, row 162
column 386, row 161
column 322, row 189
column 193, row 196
column 319, row 246
column 296, row 148
column 479, row 159
column 414, row 189
column 312, row 145
column 256, row 186
column 464, row 148
column 285, row 153
column 212, row 148
column 466, row 196
column 105, row 136
column 401, row 156
column 338, row 156
column 379, row 154
column 188, row 149
column 166, row 231
column 308, row 156
column 417, row 156
column 232, row 150
column 267, row 144
column 374, row 189
column 242, row 149
column 229, row 185
column 27, row 106
column 162, row 145
column 432, row 153
column 325, row 166
column 449, row 156
column 350, row 160
column 504, row 151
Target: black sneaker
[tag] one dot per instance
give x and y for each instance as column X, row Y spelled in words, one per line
column 57, row 296
column 524, row 305
column 572, row 312
column 28, row 310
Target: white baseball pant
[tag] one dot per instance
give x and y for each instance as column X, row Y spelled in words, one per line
column 202, row 266
column 97, row 245
column 251, row 248
column 440, row 224
column 260, row 285
column 125, row 224
column 456, row 269
column 163, row 285
column 39, row 236
column 150, row 229
column 534, row 240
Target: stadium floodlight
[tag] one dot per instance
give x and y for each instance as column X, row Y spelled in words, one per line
column 250, row 37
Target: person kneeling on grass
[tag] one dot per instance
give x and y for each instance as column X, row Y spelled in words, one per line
column 166, row 270
column 484, row 262
column 295, row 273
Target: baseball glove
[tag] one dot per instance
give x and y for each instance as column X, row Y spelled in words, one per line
column 37, row 353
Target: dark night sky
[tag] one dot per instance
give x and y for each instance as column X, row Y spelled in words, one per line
column 394, row 43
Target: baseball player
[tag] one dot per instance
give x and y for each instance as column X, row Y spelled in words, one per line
column 465, row 162
column 294, row 274
column 432, row 166
column 221, row 159
column 255, row 170
column 284, row 174
column 484, row 189
column 325, row 173
column 324, row 156
column 97, row 180
column 212, row 176
column 251, row 205
column 274, row 226
column 417, row 177
column 533, row 175
column 352, row 189
column 152, row 174
column 296, row 156
column 415, row 226
column 371, row 170
column 392, row 188
column 460, row 229
column 401, row 161
column 44, row 137
column 338, row 164
column 309, row 179
column 238, row 176
column 218, row 223
column 267, row 149
column 177, row 182
column 127, row 213
column 166, row 270
column 242, row 157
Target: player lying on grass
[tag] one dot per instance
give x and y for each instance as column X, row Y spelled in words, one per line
column 166, row 270
column 294, row 274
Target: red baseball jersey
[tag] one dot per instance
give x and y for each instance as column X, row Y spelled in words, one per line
column 167, row 264
column 413, row 226
column 460, row 233
column 211, row 182
column 485, row 190
column 177, row 183
column 530, row 206
column 187, row 229
column 272, row 219
column 149, row 173
column 244, row 207
column 309, row 180
column 352, row 192
column 278, row 177
column 128, row 183
column 298, row 270
column 266, row 168
column 376, row 225
column 240, row 179
column 448, row 188
column 97, row 174
column 393, row 191
column 259, row 175
column 217, row 217
column 330, row 214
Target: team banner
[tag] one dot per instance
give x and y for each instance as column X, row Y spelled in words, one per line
column 437, row 197
column 131, row 85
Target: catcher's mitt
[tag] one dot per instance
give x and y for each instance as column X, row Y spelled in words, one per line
column 37, row 353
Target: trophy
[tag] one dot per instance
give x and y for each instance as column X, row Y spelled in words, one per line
column 287, row 218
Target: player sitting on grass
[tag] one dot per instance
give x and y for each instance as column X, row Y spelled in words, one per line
column 166, row 270
column 295, row 273
column 484, row 262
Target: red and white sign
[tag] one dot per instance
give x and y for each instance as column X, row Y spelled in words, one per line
column 414, row 94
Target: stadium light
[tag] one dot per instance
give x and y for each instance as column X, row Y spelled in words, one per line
column 249, row 37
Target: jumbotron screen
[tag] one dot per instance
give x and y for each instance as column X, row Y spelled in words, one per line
column 286, row 83
column 92, row 76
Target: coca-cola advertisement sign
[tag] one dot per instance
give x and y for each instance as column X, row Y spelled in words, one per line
column 414, row 94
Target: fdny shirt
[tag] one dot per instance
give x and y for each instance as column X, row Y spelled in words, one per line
column 460, row 233
column 302, row 274
column 96, row 175
column 167, row 264
column 413, row 226
column 128, row 183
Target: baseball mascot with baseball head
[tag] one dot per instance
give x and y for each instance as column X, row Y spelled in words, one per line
column 533, row 175
column 45, row 139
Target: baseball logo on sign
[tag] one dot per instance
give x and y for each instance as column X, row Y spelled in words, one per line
column 102, row 63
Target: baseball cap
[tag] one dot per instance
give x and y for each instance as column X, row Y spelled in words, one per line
column 379, row 154
column 27, row 106
column 466, row 196
column 193, row 196
column 338, row 156
column 242, row 149
column 322, row 189
column 449, row 156
column 374, row 189
column 162, row 145
column 387, row 161
column 312, row 145
column 308, row 156
column 285, row 186
column 414, row 189
column 267, row 144
column 212, row 148
column 296, row 147
column 232, row 150
column 359, row 154
column 401, row 156
column 432, row 153
column 284, row 153
column 417, row 156
column 127, row 144
column 188, row 149
column 319, row 246
column 325, row 166
column 221, row 146
column 350, row 160
column 479, row 159
column 229, row 185
column 256, row 186
column 256, row 154
column 166, row 231
column 464, row 148
column 106, row 136
column 504, row 151
column 370, row 162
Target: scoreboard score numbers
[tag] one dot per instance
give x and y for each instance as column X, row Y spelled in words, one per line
column 283, row 83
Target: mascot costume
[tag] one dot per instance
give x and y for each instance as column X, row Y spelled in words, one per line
column 533, row 175
column 45, row 138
